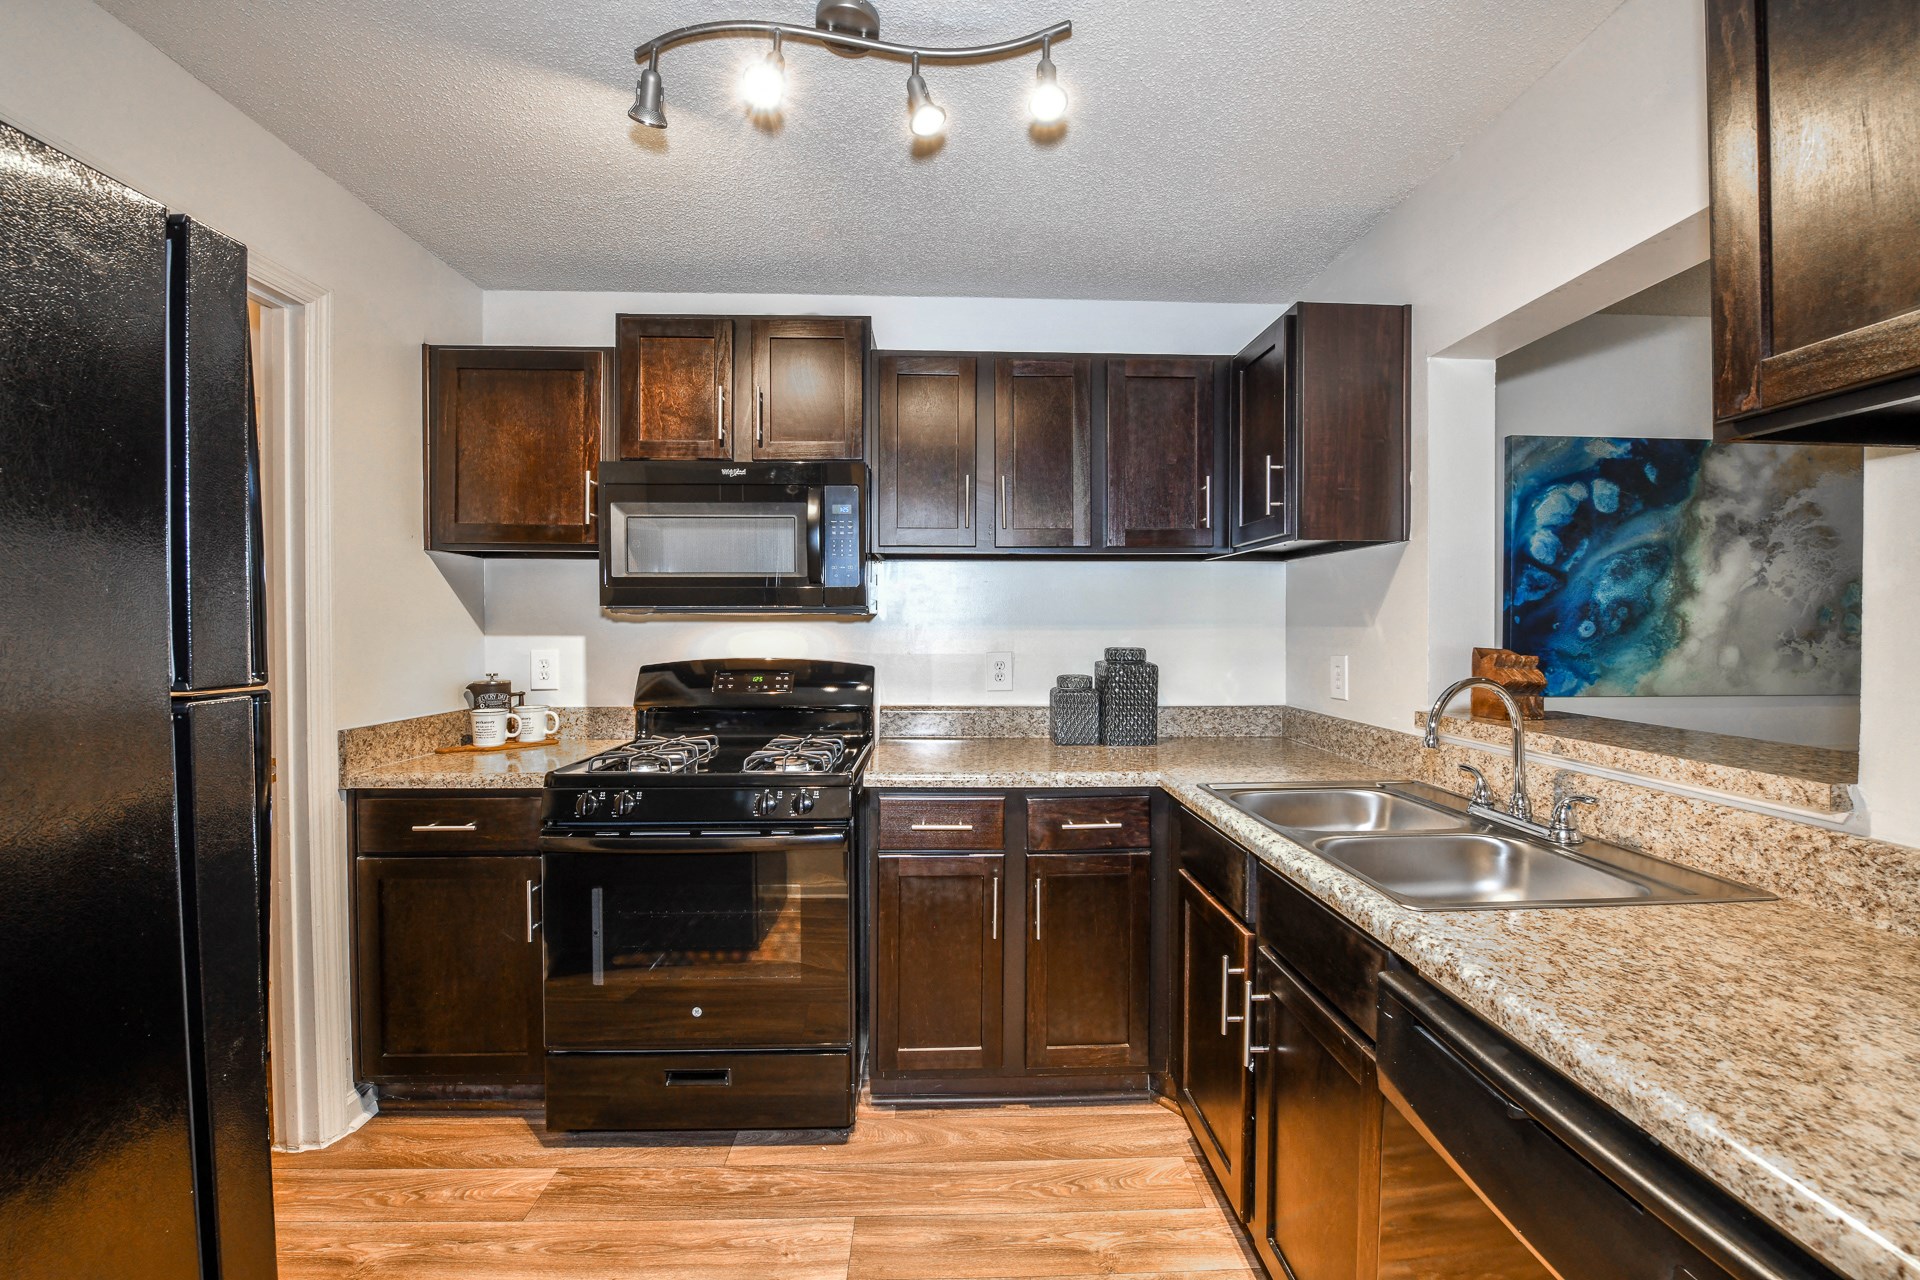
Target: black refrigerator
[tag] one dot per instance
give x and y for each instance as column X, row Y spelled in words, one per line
column 134, row 766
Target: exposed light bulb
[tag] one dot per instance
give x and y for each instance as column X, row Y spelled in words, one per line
column 764, row 84
column 1048, row 102
column 925, row 117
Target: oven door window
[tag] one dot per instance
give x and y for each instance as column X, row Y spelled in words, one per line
column 675, row 950
column 759, row 540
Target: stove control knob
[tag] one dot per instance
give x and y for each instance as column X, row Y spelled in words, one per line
column 624, row 803
column 766, row 804
column 803, row 803
column 585, row 804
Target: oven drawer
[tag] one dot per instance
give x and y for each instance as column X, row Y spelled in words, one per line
column 699, row 1090
column 447, row 824
column 1070, row 823
column 943, row 822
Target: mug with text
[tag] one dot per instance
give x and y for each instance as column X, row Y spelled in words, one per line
column 492, row 726
column 537, row 723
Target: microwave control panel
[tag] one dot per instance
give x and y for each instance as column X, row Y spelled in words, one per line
column 840, row 552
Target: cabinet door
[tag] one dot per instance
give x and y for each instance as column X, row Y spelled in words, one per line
column 676, row 381
column 1317, row 1115
column 926, row 491
column 1816, row 209
column 937, row 955
column 1041, row 416
column 513, row 437
column 1160, row 434
column 1214, row 1084
column 449, row 969
column 1260, row 382
column 807, row 400
column 1087, row 971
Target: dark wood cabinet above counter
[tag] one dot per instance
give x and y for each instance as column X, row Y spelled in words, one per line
column 1816, row 214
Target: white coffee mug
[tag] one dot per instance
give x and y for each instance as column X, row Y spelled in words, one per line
column 537, row 723
column 493, row 726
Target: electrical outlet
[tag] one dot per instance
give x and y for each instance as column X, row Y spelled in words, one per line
column 1337, row 679
column 545, row 673
column 1000, row 673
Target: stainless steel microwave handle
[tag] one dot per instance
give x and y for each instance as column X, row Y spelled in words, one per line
column 589, row 498
column 446, row 826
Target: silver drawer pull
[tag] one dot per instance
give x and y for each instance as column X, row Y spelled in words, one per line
column 942, row 826
column 1091, row 826
column 447, row 826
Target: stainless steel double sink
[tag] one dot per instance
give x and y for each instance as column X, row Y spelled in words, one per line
column 1420, row 847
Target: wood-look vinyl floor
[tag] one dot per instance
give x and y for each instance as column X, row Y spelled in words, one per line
column 996, row 1193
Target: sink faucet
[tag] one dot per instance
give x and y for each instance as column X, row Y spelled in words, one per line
column 1518, row 806
column 1519, row 814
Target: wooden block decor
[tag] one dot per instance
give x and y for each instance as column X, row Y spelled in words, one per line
column 1519, row 674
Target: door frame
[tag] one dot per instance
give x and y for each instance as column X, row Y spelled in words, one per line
column 309, row 963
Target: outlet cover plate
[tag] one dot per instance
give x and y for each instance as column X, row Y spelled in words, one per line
column 1337, row 679
column 544, row 669
column 1000, row 673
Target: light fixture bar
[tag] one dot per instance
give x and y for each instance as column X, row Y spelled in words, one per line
column 650, row 51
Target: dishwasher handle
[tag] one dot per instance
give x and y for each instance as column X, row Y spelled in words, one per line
column 1542, row 1152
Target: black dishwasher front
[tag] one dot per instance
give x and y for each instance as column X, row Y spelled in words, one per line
column 1589, row 1194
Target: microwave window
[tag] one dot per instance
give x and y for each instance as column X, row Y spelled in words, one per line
column 720, row 545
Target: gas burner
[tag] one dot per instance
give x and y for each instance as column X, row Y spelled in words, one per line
column 790, row 754
column 684, row 754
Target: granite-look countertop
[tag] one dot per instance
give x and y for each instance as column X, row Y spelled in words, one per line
column 1773, row 1046
column 517, row 769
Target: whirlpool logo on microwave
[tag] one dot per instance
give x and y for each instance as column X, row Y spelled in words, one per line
column 733, row 471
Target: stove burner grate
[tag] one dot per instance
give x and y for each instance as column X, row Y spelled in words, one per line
column 788, row 753
column 683, row 754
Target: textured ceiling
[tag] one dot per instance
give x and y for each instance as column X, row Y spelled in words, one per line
column 1229, row 161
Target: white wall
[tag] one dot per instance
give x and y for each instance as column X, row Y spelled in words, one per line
column 1604, row 153
column 75, row 77
column 1630, row 375
column 1217, row 630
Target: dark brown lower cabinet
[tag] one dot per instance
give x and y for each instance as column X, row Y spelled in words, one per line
column 449, row 969
column 1212, row 1081
column 1316, row 1134
column 937, row 959
column 1087, row 970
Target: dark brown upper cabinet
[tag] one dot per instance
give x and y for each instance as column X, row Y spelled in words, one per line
column 1320, row 430
column 513, row 437
column 1160, row 452
column 676, row 375
column 1816, row 214
column 924, row 480
column 1042, row 452
column 807, row 387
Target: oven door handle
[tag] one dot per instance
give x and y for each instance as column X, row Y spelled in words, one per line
column 641, row 844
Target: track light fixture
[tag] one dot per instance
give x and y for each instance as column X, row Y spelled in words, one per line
column 850, row 28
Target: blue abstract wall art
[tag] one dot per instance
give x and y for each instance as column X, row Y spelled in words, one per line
column 1644, row 567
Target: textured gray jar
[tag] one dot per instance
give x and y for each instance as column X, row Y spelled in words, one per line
column 1073, row 712
column 1129, row 689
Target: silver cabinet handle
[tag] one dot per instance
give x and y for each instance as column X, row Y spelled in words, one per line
column 1091, row 826
column 533, row 887
column 447, row 826
column 1246, row 1029
column 1206, row 502
column 589, row 499
column 1006, row 504
column 1271, row 468
column 1227, row 971
column 1036, row 908
column 760, row 420
column 994, row 918
column 966, row 504
column 942, row 826
column 720, row 411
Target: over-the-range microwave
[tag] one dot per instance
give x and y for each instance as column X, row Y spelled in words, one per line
column 733, row 537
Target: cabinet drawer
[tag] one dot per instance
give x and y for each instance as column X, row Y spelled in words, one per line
column 446, row 824
column 943, row 822
column 699, row 1090
column 1068, row 823
column 1341, row 963
column 1214, row 862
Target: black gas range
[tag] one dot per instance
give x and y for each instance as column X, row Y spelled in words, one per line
column 697, row 906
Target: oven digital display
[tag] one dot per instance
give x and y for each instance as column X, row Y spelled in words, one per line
column 753, row 682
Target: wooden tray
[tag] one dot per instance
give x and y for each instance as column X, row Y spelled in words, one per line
column 505, row 746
